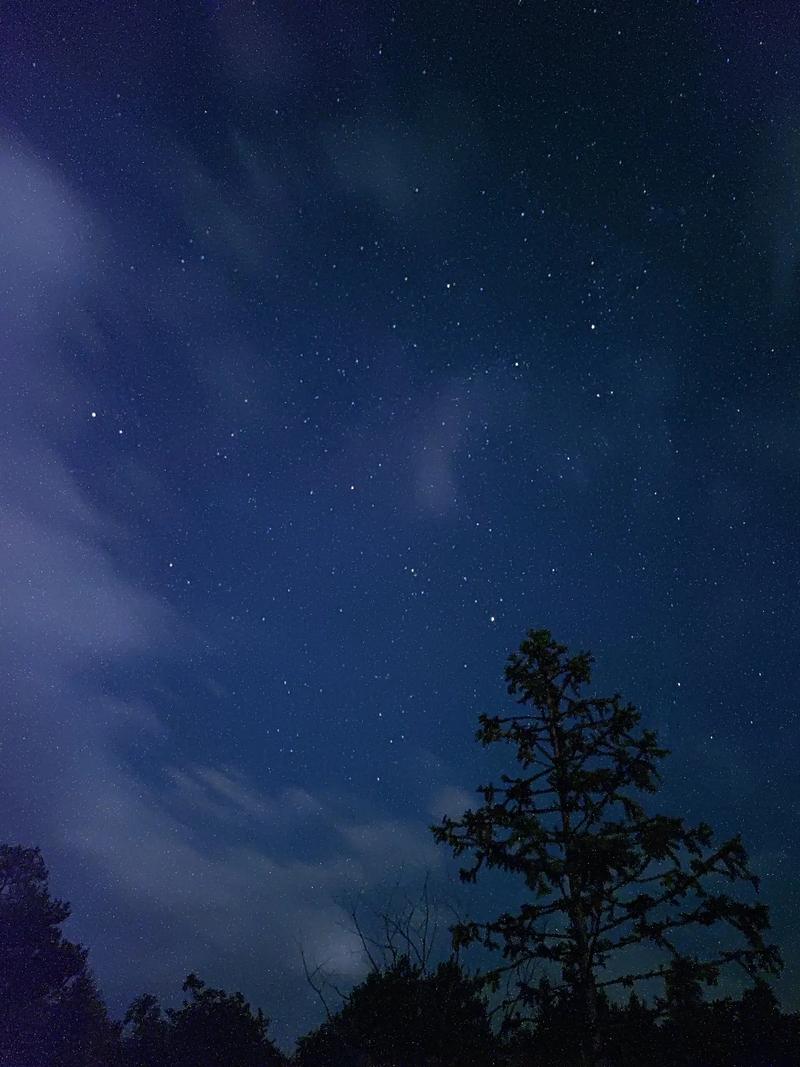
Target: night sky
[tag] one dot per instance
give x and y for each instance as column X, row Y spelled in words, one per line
column 341, row 343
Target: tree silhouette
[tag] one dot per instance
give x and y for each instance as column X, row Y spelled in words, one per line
column 750, row 1031
column 401, row 1016
column 51, row 1014
column 211, row 1029
column 602, row 875
column 146, row 1033
column 215, row 1029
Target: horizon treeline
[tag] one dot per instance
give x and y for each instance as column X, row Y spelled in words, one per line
column 629, row 920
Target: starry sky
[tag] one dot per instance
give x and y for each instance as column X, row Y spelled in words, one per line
column 340, row 344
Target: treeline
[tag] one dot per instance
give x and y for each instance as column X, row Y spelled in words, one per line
column 605, row 882
column 404, row 1014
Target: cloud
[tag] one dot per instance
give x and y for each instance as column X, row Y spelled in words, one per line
column 240, row 907
column 172, row 866
column 453, row 801
column 46, row 230
column 371, row 163
column 171, row 850
column 436, row 448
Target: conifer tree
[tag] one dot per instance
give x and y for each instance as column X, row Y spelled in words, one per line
column 604, row 877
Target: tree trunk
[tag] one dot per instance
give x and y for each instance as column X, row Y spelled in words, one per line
column 588, row 1009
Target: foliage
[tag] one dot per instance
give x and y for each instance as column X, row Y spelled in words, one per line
column 748, row 1032
column 614, row 896
column 211, row 1029
column 602, row 876
column 401, row 1016
column 146, row 1034
column 51, row 1014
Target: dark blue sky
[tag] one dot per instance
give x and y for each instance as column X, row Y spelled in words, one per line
column 341, row 343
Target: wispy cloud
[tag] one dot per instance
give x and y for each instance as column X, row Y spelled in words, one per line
column 186, row 866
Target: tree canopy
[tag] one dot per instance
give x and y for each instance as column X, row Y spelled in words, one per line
column 603, row 875
column 50, row 1010
column 401, row 1016
column 628, row 916
column 211, row 1029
